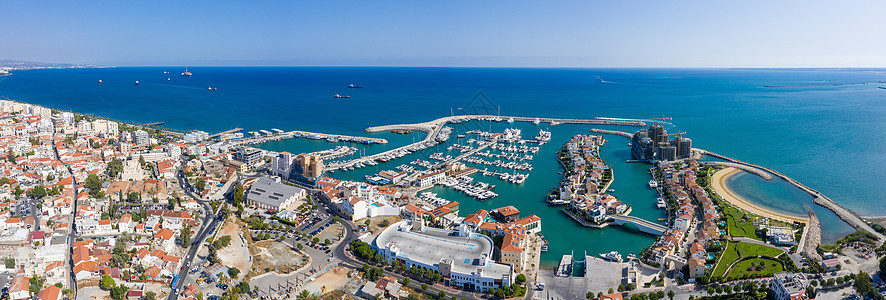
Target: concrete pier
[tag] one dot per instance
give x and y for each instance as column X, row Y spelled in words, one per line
column 226, row 132
column 431, row 125
column 614, row 132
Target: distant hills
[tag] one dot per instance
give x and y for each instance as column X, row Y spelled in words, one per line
column 11, row 65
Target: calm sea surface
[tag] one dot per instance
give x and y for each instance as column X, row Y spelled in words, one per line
column 831, row 138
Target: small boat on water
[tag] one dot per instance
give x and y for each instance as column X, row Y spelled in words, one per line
column 337, row 96
column 136, row 82
column 186, row 73
column 99, row 81
column 536, row 121
column 511, row 120
column 653, row 184
column 212, row 89
column 353, row 86
column 611, row 256
column 168, row 79
column 660, row 203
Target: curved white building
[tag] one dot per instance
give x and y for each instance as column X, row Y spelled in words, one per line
column 464, row 259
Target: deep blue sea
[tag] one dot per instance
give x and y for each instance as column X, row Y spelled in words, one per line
column 831, row 138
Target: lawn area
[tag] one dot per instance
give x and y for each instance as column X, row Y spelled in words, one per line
column 755, row 266
column 727, row 257
column 737, row 226
column 748, row 249
column 736, row 251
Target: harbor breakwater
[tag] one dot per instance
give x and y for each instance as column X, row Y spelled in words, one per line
column 845, row 214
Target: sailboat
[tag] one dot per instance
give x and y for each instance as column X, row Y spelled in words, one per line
column 186, row 73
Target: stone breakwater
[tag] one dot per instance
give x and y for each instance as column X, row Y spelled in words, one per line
column 845, row 214
column 613, row 132
column 430, row 125
column 745, row 168
column 812, row 238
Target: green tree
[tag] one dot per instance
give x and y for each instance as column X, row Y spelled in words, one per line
column 10, row 263
column 107, row 282
column 521, row 279
column 300, row 246
column 201, row 184
column 237, row 194
column 94, row 184
column 327, row 242
column 441, row 295
column 863, row 283
column 671, row 294
column 233, row 272
column 185, row 235
column 119, row 292
column 150, row 296
column 424, row 287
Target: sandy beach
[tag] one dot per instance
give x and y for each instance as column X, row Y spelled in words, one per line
column 718, row 183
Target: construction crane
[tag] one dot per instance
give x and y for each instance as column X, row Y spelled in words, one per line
column 670, row 134
column 663, row 119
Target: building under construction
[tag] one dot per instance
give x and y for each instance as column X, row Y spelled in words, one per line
column 652, row 144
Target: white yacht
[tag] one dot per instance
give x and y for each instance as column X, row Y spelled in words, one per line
column 653, row 184
column 611, row 256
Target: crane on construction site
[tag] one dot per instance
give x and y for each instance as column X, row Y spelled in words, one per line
column 663, row 119
column 675, row 133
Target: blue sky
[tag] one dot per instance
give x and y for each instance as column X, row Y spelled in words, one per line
column 448, row 33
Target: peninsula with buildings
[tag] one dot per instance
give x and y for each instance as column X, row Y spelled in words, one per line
column 94, row 208
column 9, row 65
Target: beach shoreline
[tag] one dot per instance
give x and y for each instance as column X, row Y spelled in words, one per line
column 718, row 184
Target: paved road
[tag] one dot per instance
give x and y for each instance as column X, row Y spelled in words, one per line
column 71, row 231
column 210, row 221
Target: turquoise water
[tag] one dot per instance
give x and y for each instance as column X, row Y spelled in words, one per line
column 830, row 138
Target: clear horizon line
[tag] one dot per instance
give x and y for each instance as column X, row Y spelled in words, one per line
column 84, row 66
